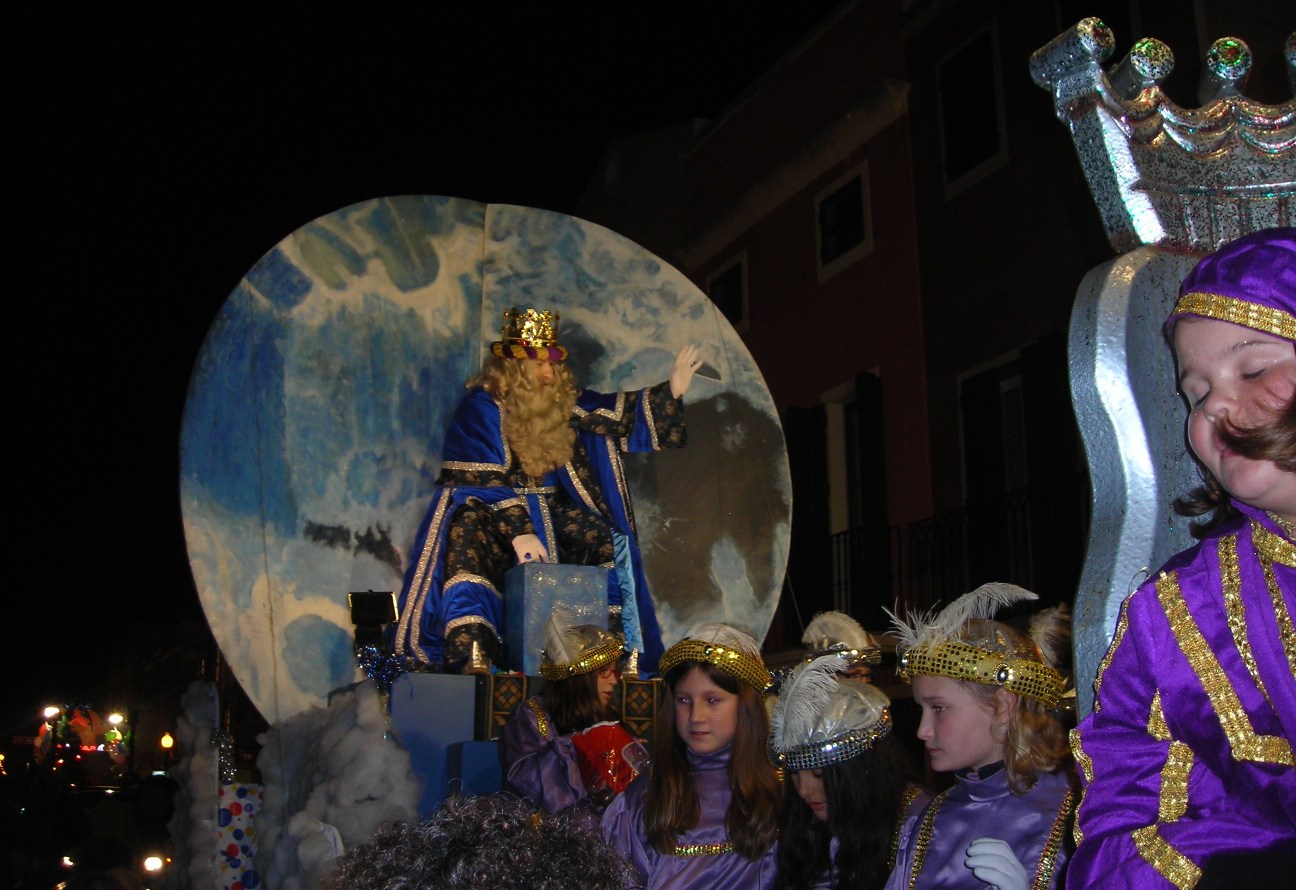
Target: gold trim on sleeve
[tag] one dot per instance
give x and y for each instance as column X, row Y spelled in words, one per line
column 542, row 719
column 1273, row 549
column 1122, row 624
column 648, row 418
column 1169, row 862
column 911, row 792
column 1156, row 726
column 1173, row 800
column 410, row 619
column 1244, row 742
column 461, row 577
column 472, row 466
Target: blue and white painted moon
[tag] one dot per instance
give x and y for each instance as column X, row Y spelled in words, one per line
column 313, row 426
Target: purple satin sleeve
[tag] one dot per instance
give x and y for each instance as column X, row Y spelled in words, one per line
column 1171, row 788
column 624, row 830
column 977, row 809
column 543, row 771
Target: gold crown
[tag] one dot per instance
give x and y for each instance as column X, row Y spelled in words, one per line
column 742, row 666
column 590, row 659
column 1021, row 673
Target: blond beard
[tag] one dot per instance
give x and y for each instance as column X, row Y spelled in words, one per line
column 536, row 421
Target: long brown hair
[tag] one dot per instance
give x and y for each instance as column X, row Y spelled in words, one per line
column 574, row 703
column 671, row 805
column 536, row 419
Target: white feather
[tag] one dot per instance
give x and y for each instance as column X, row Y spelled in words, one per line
column 804, row 696
column 723, row 635
column 1051, row 630
column 837, row 627
column 561, row 643
column 927, row 628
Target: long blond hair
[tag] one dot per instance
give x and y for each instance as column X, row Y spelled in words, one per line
column 536, row 419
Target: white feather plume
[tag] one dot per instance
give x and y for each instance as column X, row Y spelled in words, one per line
column 561, row 642
column 723, row 635
column 805, row 695
column 837, row 627
column 1050, row 630
column 928, row 628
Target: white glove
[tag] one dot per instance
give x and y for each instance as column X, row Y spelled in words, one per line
column 994, row 862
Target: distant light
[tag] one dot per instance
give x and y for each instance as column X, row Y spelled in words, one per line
column 153, row 863
column 115, row 718
column 51, row 711
column 167, row 741
column 67, row 862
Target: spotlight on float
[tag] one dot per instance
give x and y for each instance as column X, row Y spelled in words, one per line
column 51, row 711
column 370, row 611
column 115, row 719
column 167, row 741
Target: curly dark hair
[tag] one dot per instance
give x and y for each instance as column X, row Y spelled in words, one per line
column 494, row 840
column 863, row 795
column 1275, row 442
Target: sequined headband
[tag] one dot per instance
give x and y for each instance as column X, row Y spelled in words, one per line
column 1269, row 319
column 959, row 661
column 740, row 665
column 848, row 655
column 817, row 755
column 591, row 659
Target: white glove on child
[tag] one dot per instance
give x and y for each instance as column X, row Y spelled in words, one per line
column 994, row 862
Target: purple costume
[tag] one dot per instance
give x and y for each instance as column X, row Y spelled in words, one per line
column 1188, row 750
column 1035, row 824
column 537, row 763
column 702, row 862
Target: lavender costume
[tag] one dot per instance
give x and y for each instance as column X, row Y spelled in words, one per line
column 1035, row 824
column 1188, row 750
column 695, row 867
column 539, row 764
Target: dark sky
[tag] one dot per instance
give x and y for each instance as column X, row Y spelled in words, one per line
column 159, row 160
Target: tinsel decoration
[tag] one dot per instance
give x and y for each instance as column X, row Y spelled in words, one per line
column 382, row 667
column 223, row 742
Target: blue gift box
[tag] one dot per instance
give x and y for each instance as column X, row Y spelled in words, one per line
column 534, row 591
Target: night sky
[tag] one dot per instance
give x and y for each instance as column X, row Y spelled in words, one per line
column 161, row 160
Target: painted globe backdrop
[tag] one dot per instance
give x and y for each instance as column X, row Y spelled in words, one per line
column 313, row 426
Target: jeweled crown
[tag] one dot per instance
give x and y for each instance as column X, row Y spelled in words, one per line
column 1165, row 175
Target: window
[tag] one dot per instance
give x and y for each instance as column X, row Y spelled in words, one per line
column 974, row 142
column 727, row 288
column 844, row 223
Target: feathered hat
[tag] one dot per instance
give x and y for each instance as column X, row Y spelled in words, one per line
column 963, row 643
column 529, row 333
column 836, row 633
column 820, row 720
column 570, row 650
column 728, row 648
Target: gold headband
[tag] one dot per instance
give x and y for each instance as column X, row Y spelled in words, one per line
column 959, row 661
column 1269, row 319
column 591, row 659
column 746, row 668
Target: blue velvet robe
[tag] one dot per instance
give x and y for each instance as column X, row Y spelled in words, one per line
column 476, row 473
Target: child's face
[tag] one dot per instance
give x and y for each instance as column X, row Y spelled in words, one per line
column 706, row 716
column 809, row 786
column 1246, row 376
column 960, row 729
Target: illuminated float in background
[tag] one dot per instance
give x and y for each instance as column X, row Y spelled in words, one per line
column 312, row 439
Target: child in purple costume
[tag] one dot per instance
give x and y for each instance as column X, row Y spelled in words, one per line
column 988, row 696
column 1187, row 756
column 707, row 816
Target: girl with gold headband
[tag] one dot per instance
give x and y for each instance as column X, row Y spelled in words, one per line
column 1187, row 756
column 564, row 748
column 707, row 817
column 988, row 695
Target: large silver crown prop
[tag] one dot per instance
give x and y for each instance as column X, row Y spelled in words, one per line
column 1162, row 174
